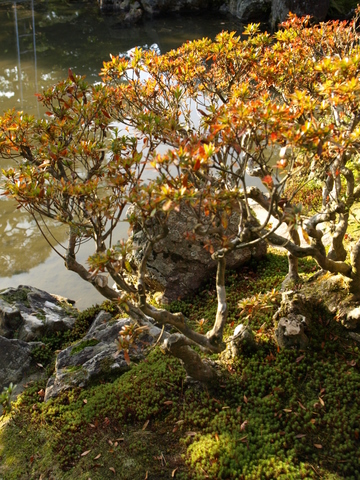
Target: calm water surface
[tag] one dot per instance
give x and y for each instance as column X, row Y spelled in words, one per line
column 39, row 41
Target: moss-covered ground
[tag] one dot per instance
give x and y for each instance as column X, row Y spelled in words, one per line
column 274, row 415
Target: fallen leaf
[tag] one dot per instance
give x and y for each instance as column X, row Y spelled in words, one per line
column 298, row 360
column 173, row 473
column 300, row 435
column 146, row 475
column 145, row 424
column 217, row 437
column 120, row 439
column 40, row 365
column 352, row 363
column 287, row 410
column 318, row 445
column 92, row 425
column 322, row 401
column 97, row 456
column 243, row 425
column 301, row 405
column 41, row 393
column 313, row 421
column 112, row 469
column 85, row 401
column 191, row 434
column 85, row 453
column 116, row 444
column 168, row 402
column 31, row 458
column 245, row 399
column 110, row 442
column 242, row 439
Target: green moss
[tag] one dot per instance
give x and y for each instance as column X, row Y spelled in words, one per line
column 86, row 343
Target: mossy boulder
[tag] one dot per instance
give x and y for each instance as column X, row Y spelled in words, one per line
column 94, row 356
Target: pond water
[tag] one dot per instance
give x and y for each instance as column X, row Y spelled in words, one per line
column 40, row 40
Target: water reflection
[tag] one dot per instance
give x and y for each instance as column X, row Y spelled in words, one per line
column 40, row 40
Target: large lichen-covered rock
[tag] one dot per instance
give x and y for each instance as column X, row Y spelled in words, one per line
column 318, row 9
column 96, row 355
column 250, row 10
column 179, row 264
column 27, row 313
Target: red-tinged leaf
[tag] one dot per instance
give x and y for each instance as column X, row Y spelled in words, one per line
column 300, row 435
column 243, row 425
column 318, row 445
column 112, row 469
column 71, row 76
column 145, row 425
column 85, row 453
column 97, row 456
column 217, row 437
column 298, row 360
column 245, row 399
column 50, row 114
column 126, row 357
column 268, row 181
column 197, row 165
column 173, row 473
column 301, row 405
column 41, row 393
column 175, row 429
column 105, row 113
column 31, row 458
column 273, row 136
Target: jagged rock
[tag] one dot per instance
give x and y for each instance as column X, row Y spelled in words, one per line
column 280, row 9
column 290, row 332
column 250, row 10
column 15, row 360
column 28, row 313
column 96, row 355
column 179, row 265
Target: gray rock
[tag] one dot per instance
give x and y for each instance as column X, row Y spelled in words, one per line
column 96, row 355
column 352, row 319
column 250, row 10
column 15, row 360
column 290, row 332
column 28, row 313
column 242, row 339
column 179, row 265
column 281, row 8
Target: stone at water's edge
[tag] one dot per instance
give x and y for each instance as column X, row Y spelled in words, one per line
column 280, row 9
column 27, row 313
column 178, row 265
column 15, row 360
column 94, row 356
column 251, row 10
